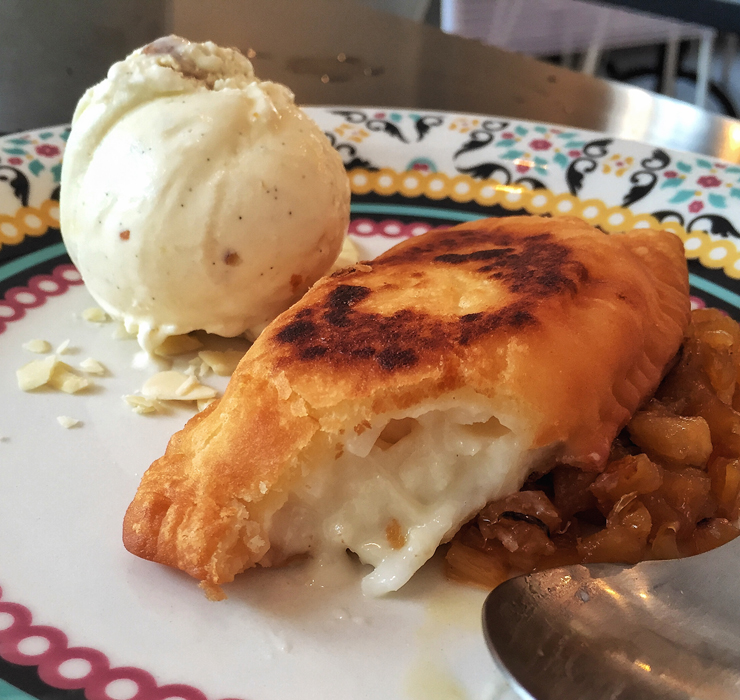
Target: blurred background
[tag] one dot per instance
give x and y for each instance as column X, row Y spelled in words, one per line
column 51, row 50
column 657, row 50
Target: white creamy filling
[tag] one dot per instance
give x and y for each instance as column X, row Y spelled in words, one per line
column 402, row 487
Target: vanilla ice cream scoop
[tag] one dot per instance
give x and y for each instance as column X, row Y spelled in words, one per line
column 195, row 196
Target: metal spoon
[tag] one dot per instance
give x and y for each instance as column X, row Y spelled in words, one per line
column 658, row 629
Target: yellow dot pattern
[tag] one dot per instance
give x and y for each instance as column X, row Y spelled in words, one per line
column 28, row 221
column 35, row 221
column 463, row 188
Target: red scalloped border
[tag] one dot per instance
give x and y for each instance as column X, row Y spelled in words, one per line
column 40, row 287
column 59, row 664
column 389, row 228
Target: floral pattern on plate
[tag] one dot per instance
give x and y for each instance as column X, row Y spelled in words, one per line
column 700, row 193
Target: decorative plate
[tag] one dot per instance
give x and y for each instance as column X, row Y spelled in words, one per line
column 80, row 617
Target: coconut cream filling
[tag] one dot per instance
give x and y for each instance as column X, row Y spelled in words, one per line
column 406, row 484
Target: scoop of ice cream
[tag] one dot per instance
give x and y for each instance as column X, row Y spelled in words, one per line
column 195, row 196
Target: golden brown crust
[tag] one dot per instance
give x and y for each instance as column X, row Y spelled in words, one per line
column 548, row 317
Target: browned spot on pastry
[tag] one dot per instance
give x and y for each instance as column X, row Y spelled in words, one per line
column 232, row 258
column 124, row 235
column 344, row 328
column 360, row 428
column 341, row 334
column 344, row 296
column 456, row 259
column 314, row 351
column 396, row 538
column 294, row 332
column 536, row 265
column 513, row 317
column 393, row 357
column 340, row 301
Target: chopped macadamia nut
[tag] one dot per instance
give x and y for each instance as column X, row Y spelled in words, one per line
column 223, row 363
column 63, row 347
column 176, row 386
column 95, row 315
column 67, row 422
column 142, row 405
column 40, row 347
column 64, row 378
column 92, row 366
column 178, row 345
column 36, row 374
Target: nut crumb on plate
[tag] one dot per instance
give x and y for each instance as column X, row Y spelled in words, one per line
column 194, row 368
column 190, row 383
column 204, row 403
column 92, row 366
column 120, row 332
column 36, row 374
column 64, row 378
column 50, row 372
column 95, row 315
column 40, row 347
column 224, row 362
column 63, row 347
column 67, row 422
column 142, row 405
column 176, row 386
column 178, row 345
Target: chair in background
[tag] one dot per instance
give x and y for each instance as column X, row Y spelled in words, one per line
column 569, row 28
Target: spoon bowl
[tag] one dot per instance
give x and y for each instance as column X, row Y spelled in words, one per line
column 667, row 630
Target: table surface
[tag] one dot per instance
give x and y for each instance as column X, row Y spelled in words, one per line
column 329, row 52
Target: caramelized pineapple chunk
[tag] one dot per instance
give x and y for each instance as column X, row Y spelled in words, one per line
column 670, row 488
column 685, row 441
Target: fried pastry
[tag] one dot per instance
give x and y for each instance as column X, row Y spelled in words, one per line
column 401, row 395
